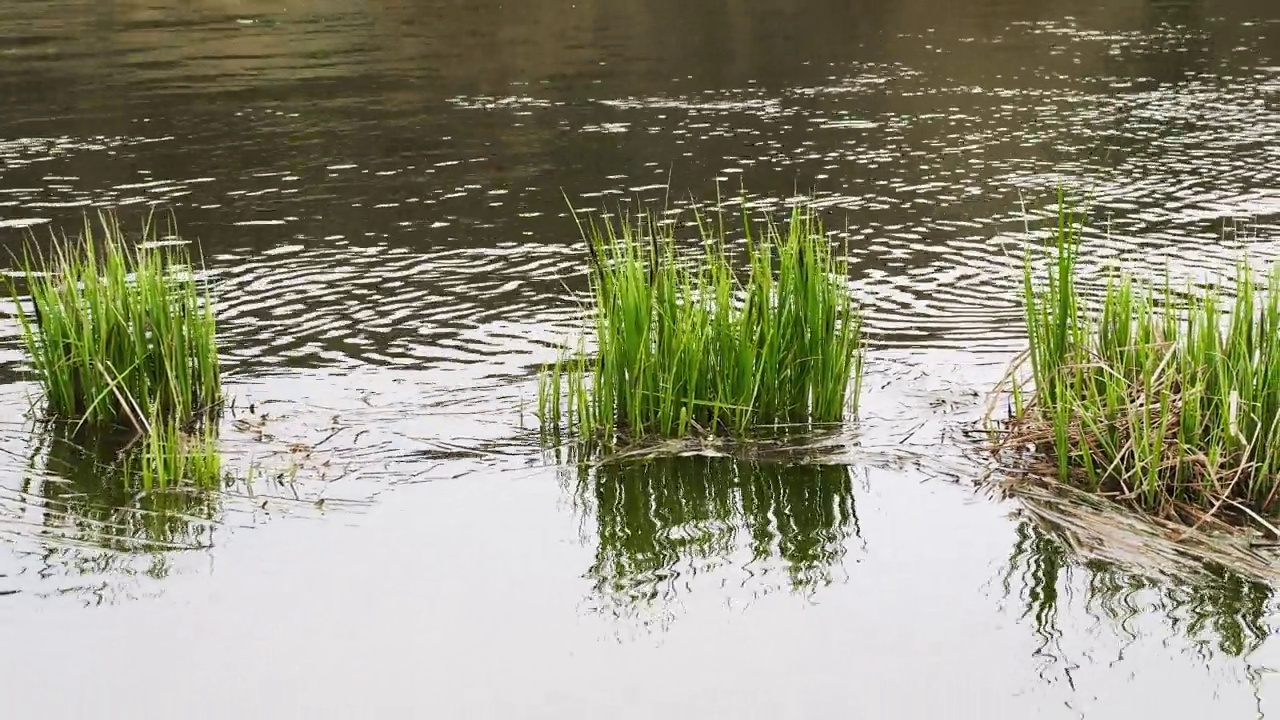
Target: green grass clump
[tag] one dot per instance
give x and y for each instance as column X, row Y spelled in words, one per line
column 1166, row 397
column 119, row 332
column 692, row 343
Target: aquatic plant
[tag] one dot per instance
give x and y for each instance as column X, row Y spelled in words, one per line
column 1166, row 397
column 171, row 453
column 685, row 343
column 118, row 331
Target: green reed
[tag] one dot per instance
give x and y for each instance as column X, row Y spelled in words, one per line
column 690, row 342
column 118, row 331
column 169, row 455
column 1167, row 397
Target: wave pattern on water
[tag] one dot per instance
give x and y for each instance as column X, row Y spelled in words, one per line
column 927, row 199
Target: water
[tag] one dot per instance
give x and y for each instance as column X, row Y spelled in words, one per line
column 379, row 189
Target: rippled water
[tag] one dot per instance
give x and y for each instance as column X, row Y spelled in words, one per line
column 380, row 190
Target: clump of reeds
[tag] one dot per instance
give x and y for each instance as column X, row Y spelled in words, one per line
column 119, row 332
column 690, row 342
column 1166, row 397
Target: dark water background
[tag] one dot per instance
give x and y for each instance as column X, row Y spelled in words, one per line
column 379, row 190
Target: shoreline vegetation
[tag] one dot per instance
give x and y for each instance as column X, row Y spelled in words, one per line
column 122, row 339
column 1163, row 398
column 686, row 342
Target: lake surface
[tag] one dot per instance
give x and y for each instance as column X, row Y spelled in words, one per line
column 379, row 189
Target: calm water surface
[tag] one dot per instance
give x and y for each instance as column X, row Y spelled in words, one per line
column 379, row 189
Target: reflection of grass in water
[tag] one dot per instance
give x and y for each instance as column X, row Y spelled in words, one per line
column 1214, row 608
column 1039, row 561
column 127, row 497
column 658, row 518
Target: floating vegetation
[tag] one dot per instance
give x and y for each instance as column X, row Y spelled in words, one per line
column 685, row 343
column 119, row 332
column 1165, row 397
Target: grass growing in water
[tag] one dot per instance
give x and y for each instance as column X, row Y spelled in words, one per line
column 169, row 455
column 119, row 332
column 1168, row 398
column 685, row 344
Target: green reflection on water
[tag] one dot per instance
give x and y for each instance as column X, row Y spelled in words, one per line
column 89, row 498
column 1215, row 609
column 661, row 520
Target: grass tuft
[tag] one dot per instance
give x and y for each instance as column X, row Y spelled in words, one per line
column 689, row 343
column 119, row 332
column 1165, row 397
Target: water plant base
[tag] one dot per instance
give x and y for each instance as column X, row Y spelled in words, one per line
column 1166, row 398
column 1097, row 528
column 125, row 491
